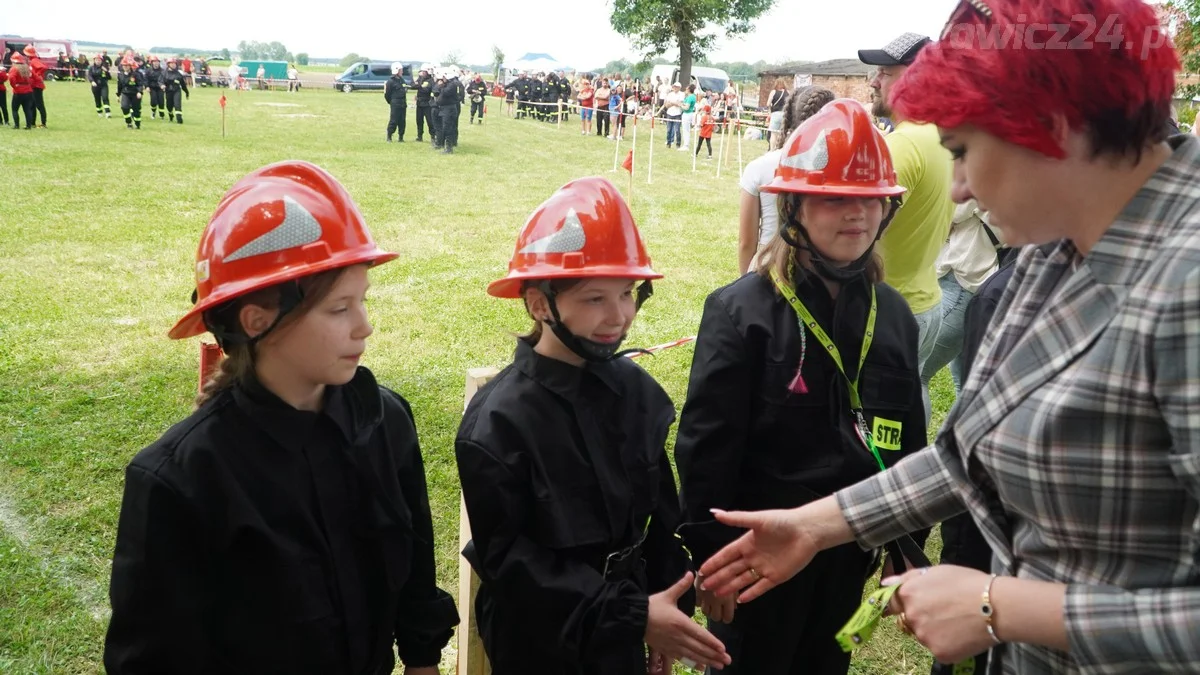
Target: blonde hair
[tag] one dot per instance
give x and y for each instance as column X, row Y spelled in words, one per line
column 779, row 255
column 238, row 364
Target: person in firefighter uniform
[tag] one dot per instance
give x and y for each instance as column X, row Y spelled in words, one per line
column 131, row 84
column 562, row 459
column 550, row 98
column 157, row 88
column 284, row 526
column 38, row 69
column 564, row 95
column 99, row 77
column 537, row 89
column 521, row 86
column 424, row 87
column 396, row 94
column 449, row 101
column 477, row 91
column 175, row 83
column 804, row 380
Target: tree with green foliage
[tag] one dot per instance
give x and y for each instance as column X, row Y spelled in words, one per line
column 302, row 58
column 224, row 54
column 654, row 26
column 453, row 58
column 351, row 59
column 497, row 61
column 618, row 66
column 247, row 50
column 1184, row 16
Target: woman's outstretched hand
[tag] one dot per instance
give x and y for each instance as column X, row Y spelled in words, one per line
column 779, row 544
column 773, row 551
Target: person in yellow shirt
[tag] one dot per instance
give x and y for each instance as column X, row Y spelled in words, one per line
column 912, row 242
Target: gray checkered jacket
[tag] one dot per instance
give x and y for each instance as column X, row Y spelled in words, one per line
column 1075, row 444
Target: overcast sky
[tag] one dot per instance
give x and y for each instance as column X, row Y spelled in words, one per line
column 576, row 33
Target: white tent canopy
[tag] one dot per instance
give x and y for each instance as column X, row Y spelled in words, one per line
column 537, row 63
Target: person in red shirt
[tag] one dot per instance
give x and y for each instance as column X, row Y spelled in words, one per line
column 706, row 122
column 21, row 78
column 39, row 82
column 3, row 96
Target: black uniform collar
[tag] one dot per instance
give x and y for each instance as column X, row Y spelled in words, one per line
column 355, row 408
column 562, row 377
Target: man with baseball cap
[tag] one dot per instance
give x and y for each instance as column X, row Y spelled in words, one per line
column 912, row 241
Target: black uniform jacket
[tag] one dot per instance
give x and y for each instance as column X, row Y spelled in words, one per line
column 477, row 89
column 451, row 93
column 395, row 93
column 154, row 77
column 424, row 88
column 98, row 74
column 257, row 538
column 175, row 81
column 131, row 83
column 746, row 442
column 561, row 466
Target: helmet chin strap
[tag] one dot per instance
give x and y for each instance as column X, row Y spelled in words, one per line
column 226, row 330
column 588, row 350
column 821, row 264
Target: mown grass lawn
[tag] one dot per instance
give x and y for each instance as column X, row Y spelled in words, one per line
column 98, row 228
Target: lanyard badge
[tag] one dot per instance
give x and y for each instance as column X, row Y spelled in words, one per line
column 807, row 320
column 858, row 631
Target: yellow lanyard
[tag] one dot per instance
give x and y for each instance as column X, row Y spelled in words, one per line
column 810, row 322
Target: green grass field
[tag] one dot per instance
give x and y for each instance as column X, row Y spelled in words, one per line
column 100, row 226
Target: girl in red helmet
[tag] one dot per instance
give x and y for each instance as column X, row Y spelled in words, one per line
column 804, row 381
column 284, row 526
column 1075, row 443
column 569, row 491
column 21, row 79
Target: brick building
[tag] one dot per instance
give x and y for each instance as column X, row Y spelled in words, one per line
column 846, row 78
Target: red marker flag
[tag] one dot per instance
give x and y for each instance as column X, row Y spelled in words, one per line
column 222, row 100
column 628, row 163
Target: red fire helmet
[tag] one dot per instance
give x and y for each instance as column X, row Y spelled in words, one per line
column 836, row 152
column 584, row 230
column 282, row 222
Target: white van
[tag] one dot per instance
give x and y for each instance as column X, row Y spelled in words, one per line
column 707, row 79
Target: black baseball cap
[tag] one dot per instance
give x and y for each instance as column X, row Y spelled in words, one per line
column 899, row 52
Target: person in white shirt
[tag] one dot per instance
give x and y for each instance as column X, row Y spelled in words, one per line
column 673, row 108
column 758, row 220
column 293, row 78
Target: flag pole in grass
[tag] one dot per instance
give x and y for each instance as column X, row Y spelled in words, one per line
column 628, row 166
column 222, row 115
column 695, row 132
column 633, row 156
column 650, row 162
column 721, row 147
column 616, row 146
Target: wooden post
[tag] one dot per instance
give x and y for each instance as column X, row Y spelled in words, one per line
column 471, row 658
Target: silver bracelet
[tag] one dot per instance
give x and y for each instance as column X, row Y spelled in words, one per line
column 989, row 612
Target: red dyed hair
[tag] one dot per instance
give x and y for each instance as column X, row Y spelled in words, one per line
column 1009, row 66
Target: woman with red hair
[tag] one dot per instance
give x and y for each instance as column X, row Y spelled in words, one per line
column 1075, row 445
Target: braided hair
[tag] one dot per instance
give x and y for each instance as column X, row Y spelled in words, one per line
column 802, row 105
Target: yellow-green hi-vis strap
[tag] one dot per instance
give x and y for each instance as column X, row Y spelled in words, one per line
column 810, row 322
column 861, row 626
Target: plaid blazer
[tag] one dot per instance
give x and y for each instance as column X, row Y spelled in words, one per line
column 1075, row 445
